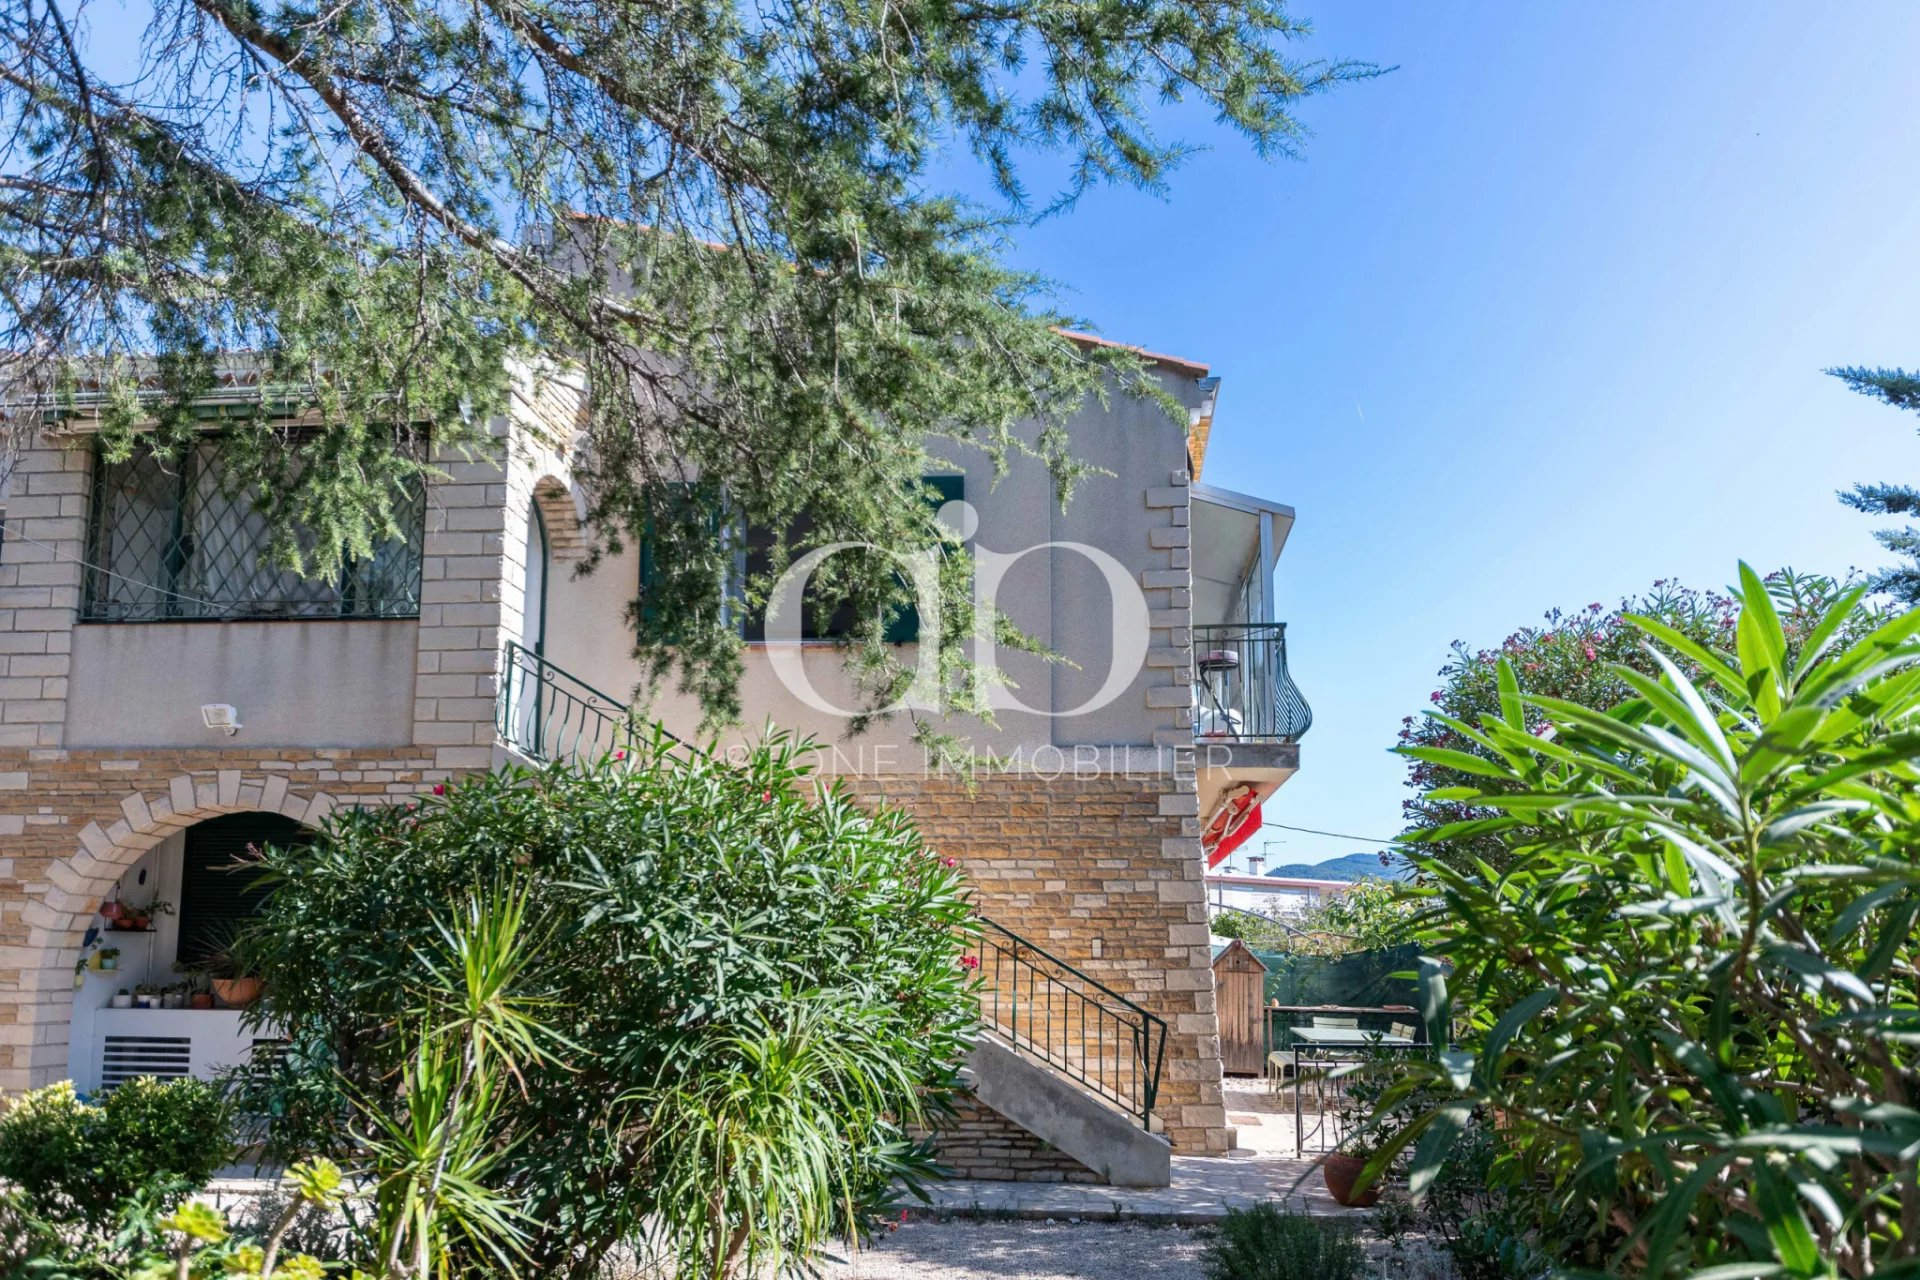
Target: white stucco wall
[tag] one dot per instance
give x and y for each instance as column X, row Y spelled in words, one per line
column 324, row 683
column 1056, row 596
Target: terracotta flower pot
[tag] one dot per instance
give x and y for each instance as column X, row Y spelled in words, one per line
column 203, row 999
column 1341, row 1172
column 236, row 993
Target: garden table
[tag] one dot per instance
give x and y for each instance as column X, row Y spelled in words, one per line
column 1316, row 1037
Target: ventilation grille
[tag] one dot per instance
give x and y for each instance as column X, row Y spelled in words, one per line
column 124, row 1058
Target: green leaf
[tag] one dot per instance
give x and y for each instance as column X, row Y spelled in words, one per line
column 1459, row 761
column 1786, row 1223
column 1442, row 1130
column 1512, row 709
column 1762, row 644
column 1827, row 630
column 1505, row 1029
column 1710, row 661
column 1435, row 1008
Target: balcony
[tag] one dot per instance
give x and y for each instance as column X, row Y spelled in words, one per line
column 1248, row 718
column 1243, row 691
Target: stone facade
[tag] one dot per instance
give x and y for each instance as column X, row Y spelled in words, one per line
column 1104, row 871
column 979, row 1142
column 72, row 822
column 1098, row 863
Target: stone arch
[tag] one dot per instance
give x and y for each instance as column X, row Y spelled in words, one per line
column 566, row 531
column 56, row 919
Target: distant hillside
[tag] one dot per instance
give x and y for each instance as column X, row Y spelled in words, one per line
column 1355, row 866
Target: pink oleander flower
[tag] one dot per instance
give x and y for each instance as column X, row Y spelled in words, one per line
column 1434, row 696
column 1591, row 655
column 439, row 788
column 766, row 796
column 620, row 755
column 969, row 962
column 949, row 862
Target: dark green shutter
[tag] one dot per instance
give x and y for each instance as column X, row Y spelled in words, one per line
column 904, row 627
column 214, row 896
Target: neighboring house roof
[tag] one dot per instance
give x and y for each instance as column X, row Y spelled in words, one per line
column 1175, row 364
column 1275, row 882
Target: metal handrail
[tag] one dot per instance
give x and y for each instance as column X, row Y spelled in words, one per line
column 1243, row 689
column 550, row 714
column 1071, row 1022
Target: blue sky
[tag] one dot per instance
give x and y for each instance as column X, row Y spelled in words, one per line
column 1539, row 319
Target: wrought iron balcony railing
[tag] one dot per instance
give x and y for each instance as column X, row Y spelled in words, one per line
column 548, row 714
column 1242, row 689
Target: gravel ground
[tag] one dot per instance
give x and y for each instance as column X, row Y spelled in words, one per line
column 976, row 1250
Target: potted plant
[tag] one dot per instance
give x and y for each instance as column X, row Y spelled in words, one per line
column 145, row 997
column 201, row 999
column 232, row 985
column 1362, row 1135
column 122, row 999
column 140, row 919
column 109, row 959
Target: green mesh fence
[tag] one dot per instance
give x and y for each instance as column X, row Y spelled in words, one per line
column 1364, row 979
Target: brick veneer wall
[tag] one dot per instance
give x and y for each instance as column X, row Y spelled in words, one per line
column 72, row 821
column 979, row 1142
column 1103, row 871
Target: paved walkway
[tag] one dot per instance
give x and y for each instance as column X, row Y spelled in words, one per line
column 1203, row 1189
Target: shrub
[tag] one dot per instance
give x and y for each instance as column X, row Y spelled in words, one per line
column 1268, row 1242
column 1374, row 915
column 1688, row 993
column 75, row 1162
column 152, row 1241
column 755, row 987
column 1582, row 656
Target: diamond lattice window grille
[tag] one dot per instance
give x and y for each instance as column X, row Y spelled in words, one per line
column 170, row 540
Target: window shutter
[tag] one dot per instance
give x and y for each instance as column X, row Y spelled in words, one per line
column 904, row 627
column 215, row 897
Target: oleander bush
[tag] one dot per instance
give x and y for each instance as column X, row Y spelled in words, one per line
column 741, row 994
column 1687, row 998
column 1578, row 655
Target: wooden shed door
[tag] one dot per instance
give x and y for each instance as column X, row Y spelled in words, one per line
column 1238, row 984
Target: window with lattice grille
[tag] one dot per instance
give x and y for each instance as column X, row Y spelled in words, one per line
column 172, row 540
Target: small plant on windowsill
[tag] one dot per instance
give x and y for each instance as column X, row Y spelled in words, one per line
column 109, row 959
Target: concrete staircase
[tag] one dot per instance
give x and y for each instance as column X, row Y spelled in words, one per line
column 1060, row 1113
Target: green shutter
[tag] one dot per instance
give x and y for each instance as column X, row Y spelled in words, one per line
column 215, row 895
column 904, row 627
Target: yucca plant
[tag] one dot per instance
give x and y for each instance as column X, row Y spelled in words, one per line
column 1688, row 1001
column 435, row 1154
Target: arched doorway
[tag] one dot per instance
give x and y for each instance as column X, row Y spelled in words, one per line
column 142, row 1002
column 533, row 627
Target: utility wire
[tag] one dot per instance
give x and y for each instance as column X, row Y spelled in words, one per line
column 1337, row 835
column 13, row 531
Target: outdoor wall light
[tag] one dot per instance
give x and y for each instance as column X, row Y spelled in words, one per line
column 218, row 715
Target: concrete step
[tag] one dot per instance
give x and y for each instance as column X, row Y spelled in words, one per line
column 1059, row 1112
